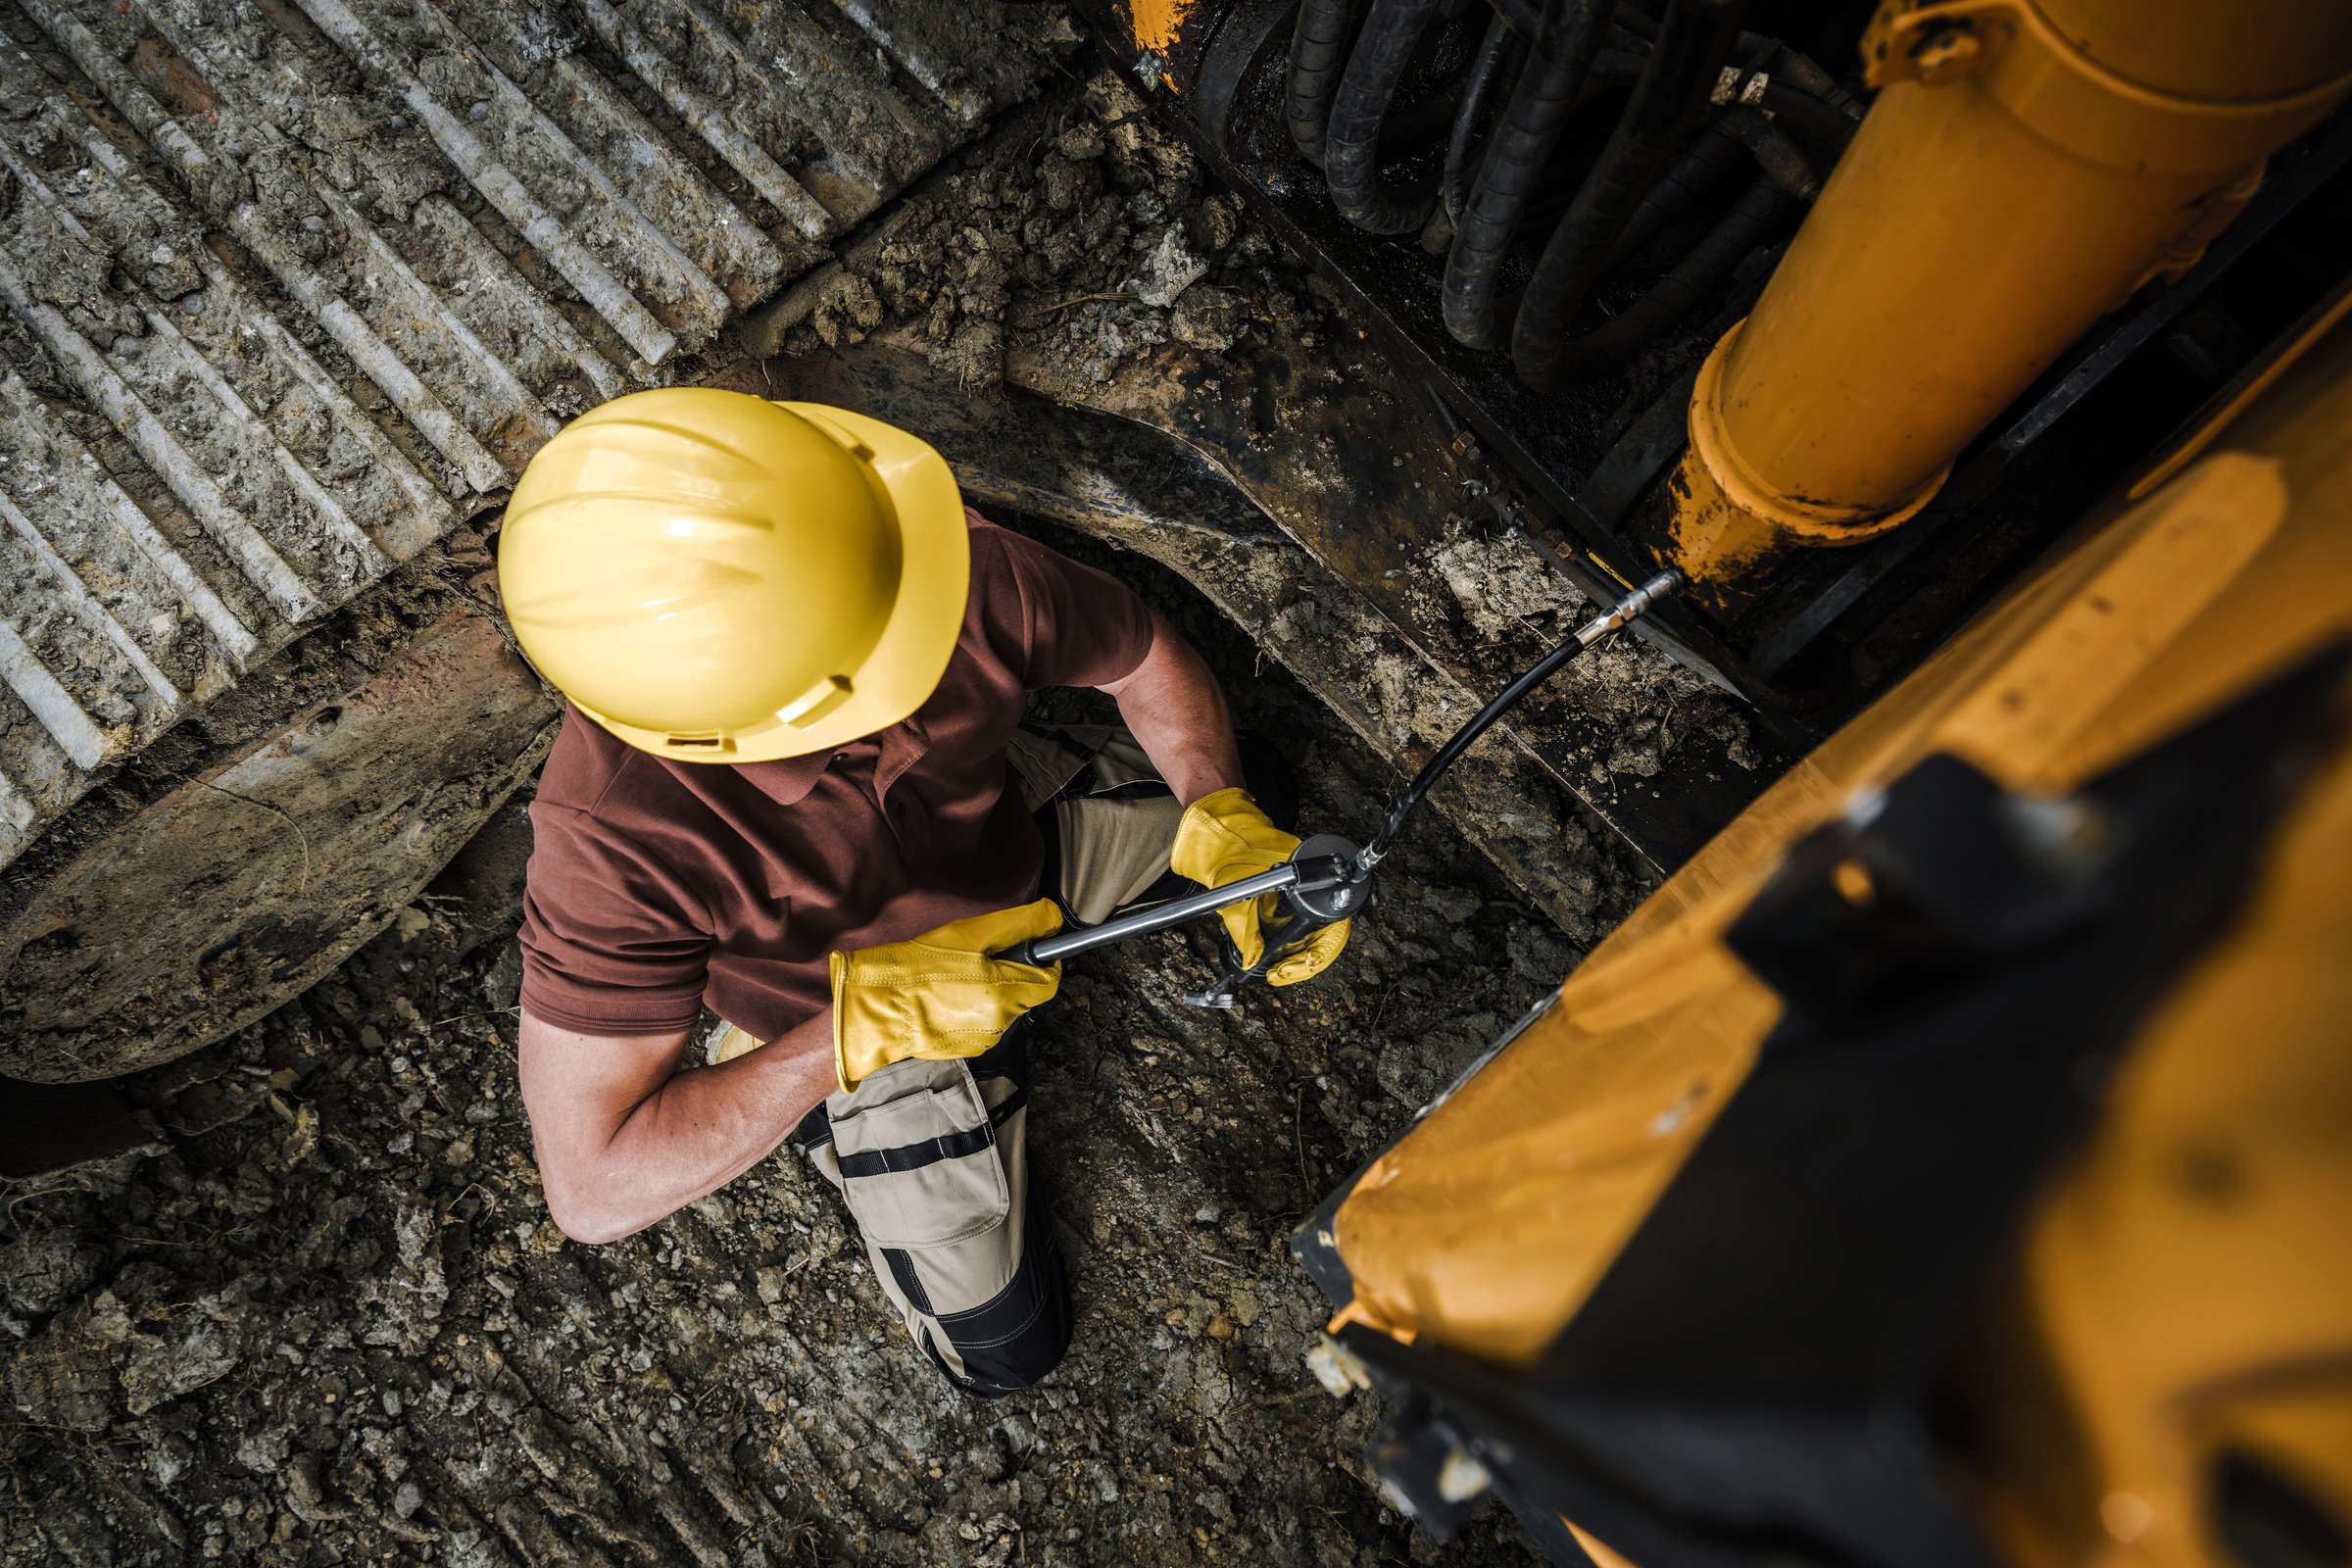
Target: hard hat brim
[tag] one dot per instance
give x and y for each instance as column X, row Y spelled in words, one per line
column 911, row 655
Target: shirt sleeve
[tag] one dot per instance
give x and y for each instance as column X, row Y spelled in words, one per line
column 610, row 941
column 1079, row 626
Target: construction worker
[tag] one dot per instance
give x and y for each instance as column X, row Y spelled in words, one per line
column 794, row 785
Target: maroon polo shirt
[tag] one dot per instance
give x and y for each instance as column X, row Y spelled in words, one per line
column 658, row 886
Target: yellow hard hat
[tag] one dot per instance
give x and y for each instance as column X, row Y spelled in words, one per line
column 717, row 578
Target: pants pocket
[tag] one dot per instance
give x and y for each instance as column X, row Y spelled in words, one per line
column 917, row 1155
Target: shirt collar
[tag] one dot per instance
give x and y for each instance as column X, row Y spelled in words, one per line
column 788, row 779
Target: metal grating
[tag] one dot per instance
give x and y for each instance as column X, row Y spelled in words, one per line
column 293, row 285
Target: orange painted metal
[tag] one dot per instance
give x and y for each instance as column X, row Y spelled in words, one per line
column 2010, row 184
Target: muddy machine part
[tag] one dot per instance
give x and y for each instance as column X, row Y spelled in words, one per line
column 1912, row 1180
column 1554, row 216
column 288, row 295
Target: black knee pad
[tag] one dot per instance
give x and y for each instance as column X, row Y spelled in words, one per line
column 1012, row 1342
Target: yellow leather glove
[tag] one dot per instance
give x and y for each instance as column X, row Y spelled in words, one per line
column 1223, row 838
column 938, row 996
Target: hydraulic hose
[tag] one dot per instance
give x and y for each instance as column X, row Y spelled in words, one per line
column 1803, row 73
column 1614, row 34
column 1617, row 64
column 1635, row 19
column 1775, row 79
column 1514, row 164
column 1500, row 54
column 1383, row 47
column 1695, row 38
column 1704, row 269
column 1409, row 130
column 1318, row 44
column 1612, row 345
column 1775, row 154
column 1712, row 153
column 1720, row 144
column 1825, row 122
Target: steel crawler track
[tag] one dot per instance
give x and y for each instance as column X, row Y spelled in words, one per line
column 289, row 288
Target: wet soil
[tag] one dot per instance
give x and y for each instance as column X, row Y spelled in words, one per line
column 326, row 1319
column 1079, row 231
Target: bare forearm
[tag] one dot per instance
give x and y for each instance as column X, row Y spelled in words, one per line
column 692, row 1133
column 703, row 1129
column 1177, row 712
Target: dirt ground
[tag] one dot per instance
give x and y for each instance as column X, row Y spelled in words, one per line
column 327, row 1318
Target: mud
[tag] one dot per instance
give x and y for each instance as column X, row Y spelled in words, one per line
column 253, row 851
column 331, row 1322
column 1079, row 231
column 1650, row 706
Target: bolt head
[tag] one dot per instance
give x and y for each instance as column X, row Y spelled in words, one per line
column 1946, row 55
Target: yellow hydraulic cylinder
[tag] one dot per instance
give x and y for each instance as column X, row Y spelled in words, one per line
column 2025, row 166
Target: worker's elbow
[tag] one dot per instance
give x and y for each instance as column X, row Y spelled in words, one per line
column 578, row 1228
column 583, row 1219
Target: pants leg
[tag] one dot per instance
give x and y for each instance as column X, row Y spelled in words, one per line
column 1112, row 834
column 931, row 1158
column 1110, row 820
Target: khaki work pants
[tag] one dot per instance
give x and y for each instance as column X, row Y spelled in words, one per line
column 931, row 1156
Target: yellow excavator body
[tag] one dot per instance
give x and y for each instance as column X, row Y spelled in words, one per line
column 2179, row 1298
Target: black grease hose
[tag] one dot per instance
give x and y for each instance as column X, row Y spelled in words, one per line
column 1603, row 625
column 1693, row 41
column 1500, row 54
column 1383, row 47
column 1327, row 879
column 1318, row 44
column 1516, row 159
